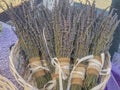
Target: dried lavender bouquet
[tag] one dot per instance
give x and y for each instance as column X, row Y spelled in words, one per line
column 104, row 30
column 63, row 37
column 84, row 34
column 28, row 32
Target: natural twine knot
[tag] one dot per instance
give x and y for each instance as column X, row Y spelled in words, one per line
column 63, row 64
column 37, row 67
column 61, row 69
column 61, row 72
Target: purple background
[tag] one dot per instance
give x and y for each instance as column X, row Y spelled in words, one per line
column 114, row 81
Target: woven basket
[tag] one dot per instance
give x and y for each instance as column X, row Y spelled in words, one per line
column 6, row 84
column 18, row 67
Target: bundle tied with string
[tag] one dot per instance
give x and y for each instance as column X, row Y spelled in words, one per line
column 103, row 68
column 84, row 26
column 104, row 71
column 64, row 64
column 105, row 26
column 78, row 75
column 60, row 73
column 95, row 66
column 63, row 37
column 26, row 28
column 38, row 71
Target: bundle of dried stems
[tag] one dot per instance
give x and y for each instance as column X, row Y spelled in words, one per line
column 64, row 33
column 105, row 26
column 30, row 37
column 84, row 35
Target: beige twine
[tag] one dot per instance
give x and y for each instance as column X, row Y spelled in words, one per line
column 6, row 84
column 78, row 75
column 37, row 67
column 64, row 64
column 95, row 65
column 61, row 72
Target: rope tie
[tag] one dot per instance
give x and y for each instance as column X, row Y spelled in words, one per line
column 79, row 73
column 37, row 67
column 95, row 64
column 61, row 67
column 61, row 73
column 55, row 62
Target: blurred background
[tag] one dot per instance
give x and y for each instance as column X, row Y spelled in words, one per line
column 101, row 4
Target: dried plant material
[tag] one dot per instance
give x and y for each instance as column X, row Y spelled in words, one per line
column 63, row 35
column 85, row 33
column 26, row 28
column 63, row 31
column 101, row 43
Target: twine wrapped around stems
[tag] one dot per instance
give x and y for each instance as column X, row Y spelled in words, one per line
column 78, row 76
column 61, row 72
column 85, row 19
column 104, row 29
column 63, row 36
column 60, row 76
column 82, row 73
column 95, row 66
column 39, row 71
column 28, row 30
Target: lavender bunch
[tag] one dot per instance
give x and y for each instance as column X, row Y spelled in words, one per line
column 63, row 36
column 25, row 21
column 84, row 35
column 104, row 30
